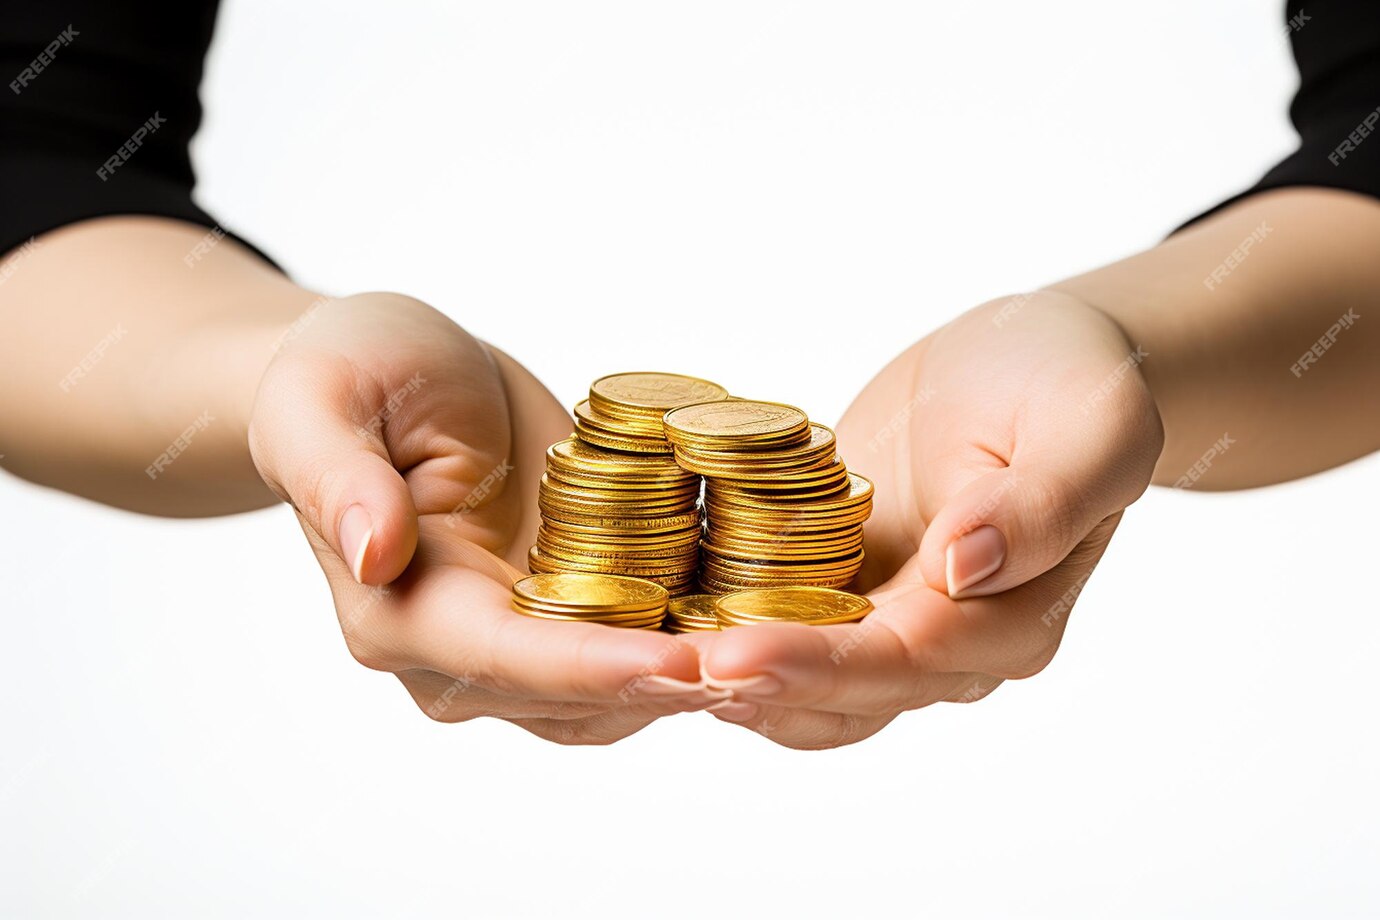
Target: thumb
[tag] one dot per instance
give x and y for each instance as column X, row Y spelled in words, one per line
column 1015, row 523
column 336, row 471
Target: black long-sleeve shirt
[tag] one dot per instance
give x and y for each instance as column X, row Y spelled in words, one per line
column 101, row 105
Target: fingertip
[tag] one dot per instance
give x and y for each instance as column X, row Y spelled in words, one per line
column 377, row 545
column 743, row 652
column 681, row 660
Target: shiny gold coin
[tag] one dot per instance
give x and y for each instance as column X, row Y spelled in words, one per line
column 567, row 493
column 858, row 494
column 604, row 522
column 816, row 606
column 736, row 423
column 607, row 593
column 603, row 431
column 691, row 613
column 574, row 455
column 649, row 394
column 765, row 569
column 633, row 622
column 817, row 451
column 622, row 484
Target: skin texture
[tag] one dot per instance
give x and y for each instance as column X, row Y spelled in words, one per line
column 410, row 452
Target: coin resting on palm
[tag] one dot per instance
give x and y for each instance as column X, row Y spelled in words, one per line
column 669, row 481
column 801, row 604
column 614, row 600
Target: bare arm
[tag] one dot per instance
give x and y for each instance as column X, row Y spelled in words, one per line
column 130, row 361
column 1258, row 323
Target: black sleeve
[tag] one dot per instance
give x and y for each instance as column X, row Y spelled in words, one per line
column 99, row 107
column 1336, row 111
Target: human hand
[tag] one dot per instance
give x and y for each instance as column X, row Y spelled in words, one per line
column 1004, row 448
column 411, row 453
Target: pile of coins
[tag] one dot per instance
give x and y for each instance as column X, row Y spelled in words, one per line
column 780, row 506
column 621, row 497
column 587, row 598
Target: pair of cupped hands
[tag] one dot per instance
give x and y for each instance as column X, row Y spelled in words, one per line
column 1003, row 447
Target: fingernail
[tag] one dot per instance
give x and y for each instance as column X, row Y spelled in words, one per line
column 356, row 530
column 759, row 685
column 973, row 557
column 733, row 711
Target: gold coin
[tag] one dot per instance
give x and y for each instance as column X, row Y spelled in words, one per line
column 604, row 522
column 817, row 606
column 603, row 431
column 610, row 593
column 818, row 451
column 859, row 494
column 579, row 456
column 693, row 607
column 650, row 394
column 737, row 422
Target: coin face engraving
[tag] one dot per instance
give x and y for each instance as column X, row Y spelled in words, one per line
column 793, row 604
column 735, row 417
column 655, row 391
column 589, row 590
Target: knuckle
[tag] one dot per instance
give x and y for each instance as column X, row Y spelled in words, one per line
column 1058, row 508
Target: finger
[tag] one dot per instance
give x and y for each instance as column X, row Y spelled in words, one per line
column 1012, row 524
column 1069, row 464
column 455, row 699
column 316, row 440
column 605, row 728
column 458, row 699
column 464, row 626
column 1012, row 636
column 801, row 729
column 876, row 666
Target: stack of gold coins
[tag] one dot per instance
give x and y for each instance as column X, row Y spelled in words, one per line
column 810, row 605
column 613, row 500
column 692, row 613
column 612, row 600
column 781, row 508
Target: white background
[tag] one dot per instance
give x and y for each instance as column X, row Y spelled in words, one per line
column 778, row 196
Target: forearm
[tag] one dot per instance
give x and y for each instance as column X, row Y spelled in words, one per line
column 130, row 360
column 1229, row 340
